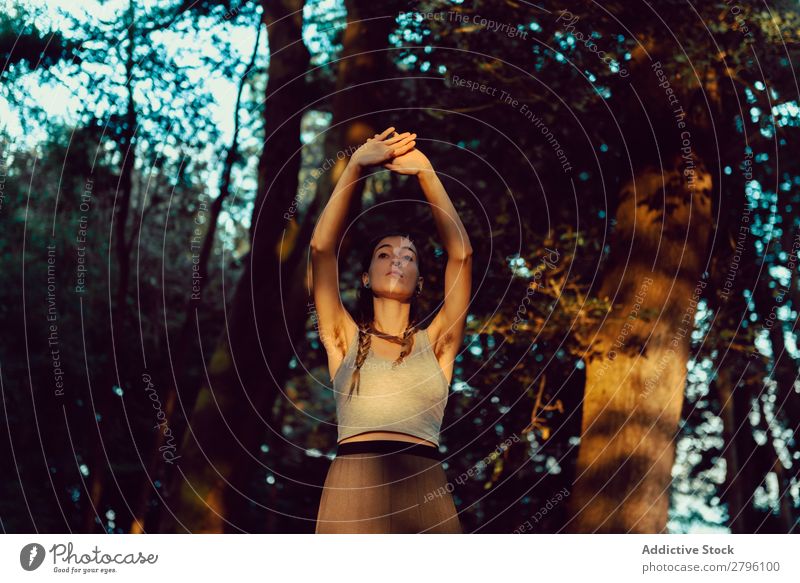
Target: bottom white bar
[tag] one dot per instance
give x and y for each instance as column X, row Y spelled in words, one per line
column 396, row 558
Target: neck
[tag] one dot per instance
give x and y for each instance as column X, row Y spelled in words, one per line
column 391, row 316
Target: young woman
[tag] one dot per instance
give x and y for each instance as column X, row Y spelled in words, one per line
column 391, row 379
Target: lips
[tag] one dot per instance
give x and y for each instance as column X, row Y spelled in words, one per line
column 395, row 272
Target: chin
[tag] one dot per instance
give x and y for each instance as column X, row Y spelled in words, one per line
column 396, row 294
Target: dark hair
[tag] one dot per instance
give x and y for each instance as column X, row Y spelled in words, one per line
column 365, row 309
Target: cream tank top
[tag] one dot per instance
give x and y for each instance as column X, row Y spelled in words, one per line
column 407, row 398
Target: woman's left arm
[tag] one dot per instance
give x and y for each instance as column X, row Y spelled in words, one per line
column 451, row 229
column 446, row 330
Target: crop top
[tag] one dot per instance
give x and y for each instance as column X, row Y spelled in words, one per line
column 408, row 398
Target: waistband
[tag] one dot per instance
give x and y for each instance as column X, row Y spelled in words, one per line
column 389, row 446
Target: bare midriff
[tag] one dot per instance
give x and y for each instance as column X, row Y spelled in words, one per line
column 391, row 435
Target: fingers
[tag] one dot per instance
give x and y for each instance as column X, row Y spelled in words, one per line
column 403, row 150
column 399, row 137
column 405, row 146
column 385, row 133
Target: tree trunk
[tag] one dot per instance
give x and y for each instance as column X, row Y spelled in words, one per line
column 735, row 490
column 784, row 373
column 127, row 143
column 635, row 387
column 358, row 97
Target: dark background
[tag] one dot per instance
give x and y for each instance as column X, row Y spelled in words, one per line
column 143, row 185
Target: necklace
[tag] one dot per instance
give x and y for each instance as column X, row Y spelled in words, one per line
column 391, row 338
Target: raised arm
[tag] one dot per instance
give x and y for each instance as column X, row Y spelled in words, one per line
column 447, row 328
column 332, row 317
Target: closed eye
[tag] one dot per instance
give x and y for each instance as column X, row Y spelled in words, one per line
column 406, row 257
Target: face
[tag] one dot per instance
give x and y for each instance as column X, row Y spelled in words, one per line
column 394, row 271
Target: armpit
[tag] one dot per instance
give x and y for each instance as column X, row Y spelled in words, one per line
column 444, row 342
column 339, row 341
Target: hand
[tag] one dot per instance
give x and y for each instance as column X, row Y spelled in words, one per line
column 411, row 163
column 382, row 147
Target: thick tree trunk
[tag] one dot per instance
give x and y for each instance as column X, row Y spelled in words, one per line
column 634, row 389
column 357, row 102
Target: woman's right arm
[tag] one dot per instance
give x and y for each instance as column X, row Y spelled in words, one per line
column 330, row 224
column 332, row 317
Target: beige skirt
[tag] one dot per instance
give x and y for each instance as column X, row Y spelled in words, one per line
column 386, row 486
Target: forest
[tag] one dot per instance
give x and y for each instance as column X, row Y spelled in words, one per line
column 626, row 176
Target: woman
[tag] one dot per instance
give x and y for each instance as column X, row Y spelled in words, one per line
column 390, row 378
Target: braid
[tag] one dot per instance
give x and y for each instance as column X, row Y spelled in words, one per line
column 408, row 342
column 364, row 342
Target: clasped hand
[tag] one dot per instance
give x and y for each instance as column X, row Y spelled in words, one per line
column 395, row 152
